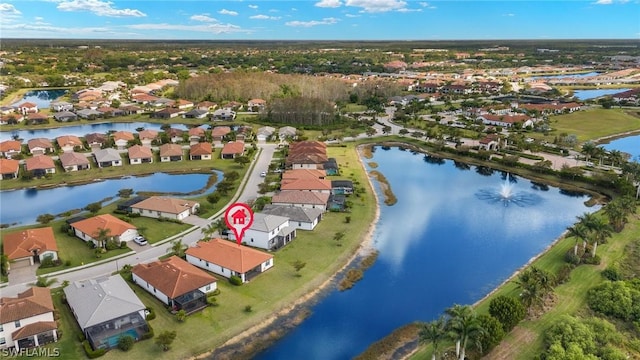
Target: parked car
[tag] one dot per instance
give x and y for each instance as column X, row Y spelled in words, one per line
column 140, row 240
column 263, row 174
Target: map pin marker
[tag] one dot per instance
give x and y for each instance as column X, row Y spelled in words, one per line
column 239, row 218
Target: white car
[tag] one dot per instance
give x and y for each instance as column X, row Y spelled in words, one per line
column 140, row 240
column 263, row 174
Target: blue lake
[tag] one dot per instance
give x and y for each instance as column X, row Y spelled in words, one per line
column 441, row 244
column 42, row 98
column 82, row 130
column 563, row 76
column 23, row 206
column 629, row 144
column 595, row 93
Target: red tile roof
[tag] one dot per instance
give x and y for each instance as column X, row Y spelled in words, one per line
column 39, row 162
column 123, row 135
column 300, row 197
column 9, row 166
column 139, row 152
column 197, row 131
column 203, row 148
column 148, row 134
column 306, row 184
column 234, row 147
column 32, row 302
column 21, row 244
column 33, row 329
column 73, row 158
column 165, row 204
column 173, row 276
column 91, row 225
column 297, row 174
column 220, row 131
column 229, row 255
column 39, row 142
column 10, row 145
column 171, row 150
column 68, row 140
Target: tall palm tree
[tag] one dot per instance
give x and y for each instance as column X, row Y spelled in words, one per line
column 616, row 214
column 177, row 248
column 587, row 219
column 534, row 285
column 601, row 231
column 463, row 326
column 579, row 231
column 588, row 149
column 101, row 235
column 208, row 231
column 433, row 332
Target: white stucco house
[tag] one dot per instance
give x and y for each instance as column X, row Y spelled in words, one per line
column 269, row 232
column 117, row 230
column 165, row 207
column 299, row 217
column 27, row 320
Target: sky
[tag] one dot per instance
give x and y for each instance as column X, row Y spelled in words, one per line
column 320, row 19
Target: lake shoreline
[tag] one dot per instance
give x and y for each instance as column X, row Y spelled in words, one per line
column 268, row 331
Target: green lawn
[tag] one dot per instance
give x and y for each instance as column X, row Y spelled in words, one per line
column 593, row 124
column 155, row 231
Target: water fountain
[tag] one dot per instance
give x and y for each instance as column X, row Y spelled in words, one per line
column 507, row 195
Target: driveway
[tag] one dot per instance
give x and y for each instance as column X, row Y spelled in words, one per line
column 22, row 272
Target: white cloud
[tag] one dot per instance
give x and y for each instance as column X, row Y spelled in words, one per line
column 38, row 18
column 408, row 10
column 325, row 21
column 423, row 4
column 228, row 12
column 253, row 6
column 98, row 7
column 609, row 2
column 8, row 9
column 217, row 28
column 375, row 6
column 329, row 3
column 509, row 14
column 264, row 17
column 54, row 29
column 203, row 18
column 351, row 15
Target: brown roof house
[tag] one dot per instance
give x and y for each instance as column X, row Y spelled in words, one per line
column 9, row 169
column 31, row 245
column 196, row 135
column 166, row 207
column 175, row 135
column 40, row 165
column 10, row 148
column 307, row 199
column 228, row 259
column 171, row 152
column 201, row 151
column 96, row 140
column 40, row 146
column 176, row 283
column 140, row 155
column 147, row 137
column 27, row 108
column 219, row 132
column 232, row 149
column 73, row 161
column 315, row 185
column 27, row 320
column 121, row 139
column 69, row 143
column 100, row 228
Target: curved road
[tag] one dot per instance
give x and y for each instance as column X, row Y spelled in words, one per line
column 150, row 253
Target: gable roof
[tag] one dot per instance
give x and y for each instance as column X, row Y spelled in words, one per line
column 203, row 148
column 300, row 197
column 96, row 138
column 165, row 204
column 305, row 184
column 39, row 142
column 197, row 131
column 298, row 174
column 10, row 145
column 266, row 222
column 33, row 329
column 39, row 162
column 91, row 225
column 123, row 135
column 139, row 152
column 22, row 243
column 9, row 166
column 171, row 150
column 294, row 213
column 234, row 147
column 173, row 276
column 148, row 134
column 73, row 158
column 95, row 301
column 220, row 131
column 31, row 302
column 228, row 254
column 68, row 140
column 109, row 154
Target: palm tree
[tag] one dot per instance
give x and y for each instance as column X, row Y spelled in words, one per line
column 177, row 248
column 101, row 235
column 601, row 231
column 587, row 220
column 208, row 231
column 588, row 149
column 534, row 285
column 579, row 231
column 616, row 214
column 463, row 325
column 433, row 332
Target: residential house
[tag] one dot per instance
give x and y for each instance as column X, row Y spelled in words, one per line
column 232, row 149
column 165, row 207
column 269, row 232
column 27, row 320
column 89, row 114
column 171, row 152
column 299, row 217
column 196, row 135
column 140, row 155
column 11, row 119
column 307, row 199
column 287, row 132
column 131, row 110
column 96, row 140
column 108, row 111
column 9, row 169
column 224, row 114
column 219, row 132
column 30, row 246
column 69, row 143
column 314, row 185
column 201, row 151
column 175, row 135
column 27, row 108
column 264, row 133
column 490, row 142
column 73, row 161
column 176, row 283
column 206, row 105
column 228, row 259
column 167, row 113
column 40, row 165
column 183, row 104
column 552, row 108
column 341, row 187
column 65, row 116
column 256, row 105
column 147, row 137
column 195, row 114
column 110, row 226
column 106, row 309
column 160, row 102
column 303, row 174
column 37, row 119
column 243, row 133
column 10, row 148
column 107, row 157
column 58, row 106
column 40, row 146
column 121, row 139
column 505, row 120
